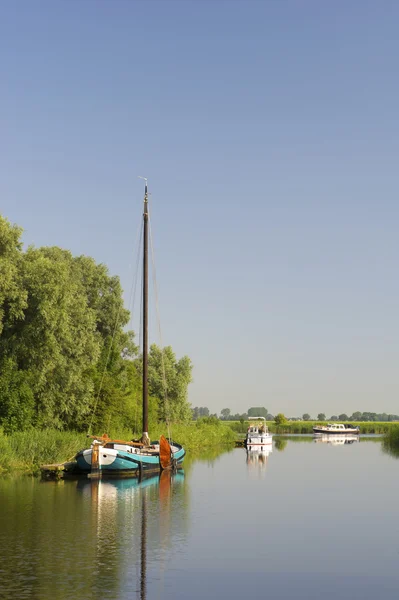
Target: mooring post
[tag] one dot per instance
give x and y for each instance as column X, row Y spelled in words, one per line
column 95, row 472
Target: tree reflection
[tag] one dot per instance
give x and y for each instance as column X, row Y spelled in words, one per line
column 280, row 444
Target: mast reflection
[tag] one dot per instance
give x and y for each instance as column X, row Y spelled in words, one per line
column 125, row 514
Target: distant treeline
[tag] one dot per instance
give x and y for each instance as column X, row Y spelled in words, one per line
column 356, row 416
column 66, row 360
column 261, row 411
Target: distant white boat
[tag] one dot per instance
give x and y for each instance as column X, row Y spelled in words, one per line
column 258, row 434
column 336, row 429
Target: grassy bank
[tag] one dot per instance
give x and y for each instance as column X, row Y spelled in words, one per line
column 25, row 451
column 307, row 426
column 390, row 443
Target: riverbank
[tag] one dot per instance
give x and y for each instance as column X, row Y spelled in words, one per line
column 307, row 426
column 25, row 451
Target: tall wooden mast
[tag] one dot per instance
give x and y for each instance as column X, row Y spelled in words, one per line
column 145, row 438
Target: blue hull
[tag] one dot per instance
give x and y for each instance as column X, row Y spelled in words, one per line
column 128, row 462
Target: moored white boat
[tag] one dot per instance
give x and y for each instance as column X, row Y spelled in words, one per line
column 336, row 429
column 258, row 434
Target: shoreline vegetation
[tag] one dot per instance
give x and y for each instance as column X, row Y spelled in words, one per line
column 24, row 451
column 369, row 427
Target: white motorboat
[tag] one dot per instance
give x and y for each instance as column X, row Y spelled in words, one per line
column 336, row 429
column 258, row 434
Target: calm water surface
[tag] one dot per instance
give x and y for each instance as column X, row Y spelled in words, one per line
column 309, row 520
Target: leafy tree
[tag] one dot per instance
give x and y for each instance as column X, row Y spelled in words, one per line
column 269, row 417
column 257, row 411
column 280, row 419
column 357, row 416
column 306, row 417
column 65, row 359
column 225, row 412
column 13, row 297
column 321, row 417
column 343, row 417
column 17, row 401
column 334, row 418
column 56, row 341
column 163, row 368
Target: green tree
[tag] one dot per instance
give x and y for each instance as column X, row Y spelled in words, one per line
column 16, row 398
column 280, row 419
column 13, row 297
column 343, row 417
column 257, row 411
column 163, row 368
column 334, row 418
column 321, row 417
column 306, row 417
column 225, row 412
column 357, row 416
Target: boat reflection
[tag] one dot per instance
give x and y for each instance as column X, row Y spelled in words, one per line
column 257, row 458
column 131, row 519
column 336, row 440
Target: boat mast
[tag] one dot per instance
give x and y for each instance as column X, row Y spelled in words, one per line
column 145, row 438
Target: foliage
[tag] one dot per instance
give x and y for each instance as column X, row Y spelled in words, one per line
column 257, row 411
column 321, row 417
column 306, row 417
column 225, row 412
column 280, row 419
column 66, row 361
column 200, row 411
column 164, row 369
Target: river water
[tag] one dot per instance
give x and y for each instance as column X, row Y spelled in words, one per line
column 308, row 520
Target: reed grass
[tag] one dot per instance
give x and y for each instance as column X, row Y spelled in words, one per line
column 25, row 451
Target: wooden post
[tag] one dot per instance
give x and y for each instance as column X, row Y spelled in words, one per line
column 95, row 462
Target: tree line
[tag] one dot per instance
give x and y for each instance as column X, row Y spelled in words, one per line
column 261, row 411
column 356, row 416
column 66, row 360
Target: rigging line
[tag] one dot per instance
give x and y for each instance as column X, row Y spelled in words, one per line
column 132, row 297
column 110, row 347
column 154, row 279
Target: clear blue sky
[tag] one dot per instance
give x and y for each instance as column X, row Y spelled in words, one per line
column 269, row 132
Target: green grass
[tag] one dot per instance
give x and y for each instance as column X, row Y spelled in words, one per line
column 25, row 451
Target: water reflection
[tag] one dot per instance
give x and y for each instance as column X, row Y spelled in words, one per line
column 390, row 448
column 97, row 539
column 336, row 440
column 280, row 444
column 257, row 458
column 119, row 504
